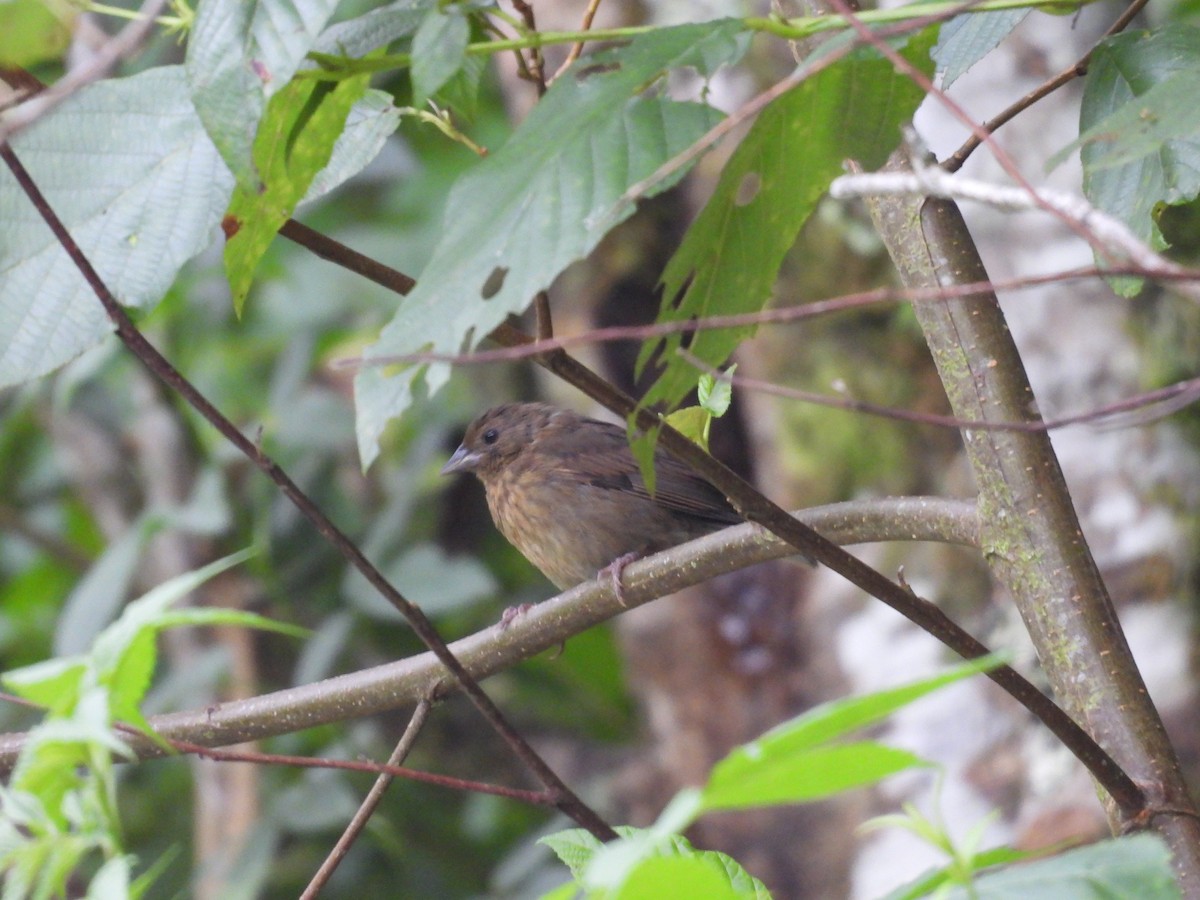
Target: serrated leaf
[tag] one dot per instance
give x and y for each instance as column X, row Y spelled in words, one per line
column 526, row 212
column 374, row 29
column 53, row 683
column 1136, row 867
column 145, row 615
column 729, row 258
column 968, row 38
column 439, row 51
column 716, row 394
column 238, row 56
column 295, row 141
column 141, row 196
column 692, row 423
column 97, row 597
column 1140, row 130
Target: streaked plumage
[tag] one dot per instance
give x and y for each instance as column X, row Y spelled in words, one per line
column 566, row 491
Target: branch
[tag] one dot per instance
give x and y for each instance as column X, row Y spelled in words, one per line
column 1114, row 236
column 545, row 626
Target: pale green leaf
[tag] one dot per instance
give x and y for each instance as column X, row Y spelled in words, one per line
column 542, row 201
column 141, row 196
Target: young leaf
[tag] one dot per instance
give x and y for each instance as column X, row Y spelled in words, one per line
column 787, row 775
column 238, row 56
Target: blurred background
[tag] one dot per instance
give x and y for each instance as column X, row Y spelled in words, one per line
column 109, row 485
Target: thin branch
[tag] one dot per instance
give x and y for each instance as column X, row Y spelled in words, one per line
column 546, row 625
column 573, row 54
column 771, row 316
column 1172, row 397
column 1076, row 70
column 369, row 804
column 158, row 365
column 1106, row 232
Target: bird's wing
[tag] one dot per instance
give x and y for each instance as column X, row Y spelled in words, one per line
column 601, row 457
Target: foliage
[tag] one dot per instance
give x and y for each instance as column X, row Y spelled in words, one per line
column 59, row 810
column 319, row 106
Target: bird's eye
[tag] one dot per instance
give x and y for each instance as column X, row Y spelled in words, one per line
column 490, row 436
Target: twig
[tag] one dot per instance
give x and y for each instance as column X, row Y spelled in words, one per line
column 773, row 316
column 1174, row 397
column 1076, row 70
column 369, row 804
column 577, row 48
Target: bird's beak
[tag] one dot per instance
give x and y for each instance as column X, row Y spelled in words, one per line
column 463, row 460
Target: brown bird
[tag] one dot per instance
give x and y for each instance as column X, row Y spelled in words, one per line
column 567, row 492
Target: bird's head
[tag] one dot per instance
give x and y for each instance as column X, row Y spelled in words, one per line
column 498, row 436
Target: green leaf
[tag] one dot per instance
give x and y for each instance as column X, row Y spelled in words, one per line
column 788, row 775
column 626, row 868
column 371, row 121
column 542, row 201
column 966, row 39
column 32, row 32
column 95, row 600
column 295, row 141
column 54, row 683
column 714, row 876
column 238, row 56
column 781, row 766
column 237, row 618
column 1140, row 129
column 439, row 50
column 1137, row 867
column 374, row 29
column 141, row 196
column 574, row 846
column 840, row 717
column 716, row 394
column 729, row 258
column 144, row 615
column 692, row 423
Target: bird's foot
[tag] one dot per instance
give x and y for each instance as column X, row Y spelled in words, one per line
column 511, row 613
column 614, row 569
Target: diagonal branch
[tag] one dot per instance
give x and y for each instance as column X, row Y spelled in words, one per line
column 158, row 365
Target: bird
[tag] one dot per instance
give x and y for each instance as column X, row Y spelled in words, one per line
column 567, row 492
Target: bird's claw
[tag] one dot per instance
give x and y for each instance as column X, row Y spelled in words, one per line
column 511, row 613
column 614, row 569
